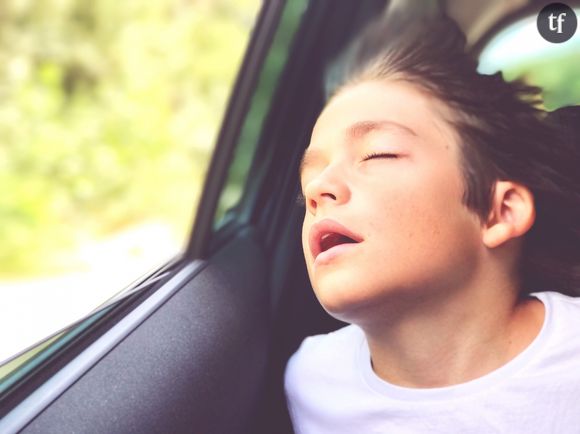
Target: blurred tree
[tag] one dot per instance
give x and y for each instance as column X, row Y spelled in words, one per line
column 557, row 75
column 108, row 112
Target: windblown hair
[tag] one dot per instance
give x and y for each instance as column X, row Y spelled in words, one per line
column 503, row 133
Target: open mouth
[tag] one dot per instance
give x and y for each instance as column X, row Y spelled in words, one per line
column 328, row 233
column 331, row 240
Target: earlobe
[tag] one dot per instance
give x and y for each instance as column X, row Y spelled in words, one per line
column 496, row 235
column 512, row 214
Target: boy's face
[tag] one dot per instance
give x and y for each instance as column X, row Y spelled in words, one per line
column 418, row 238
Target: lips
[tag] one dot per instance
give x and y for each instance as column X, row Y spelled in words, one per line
column 328, row 233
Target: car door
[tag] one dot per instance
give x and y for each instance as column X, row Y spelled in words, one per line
column 200, row 344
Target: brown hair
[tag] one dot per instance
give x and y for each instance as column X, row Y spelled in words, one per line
column 503, row 133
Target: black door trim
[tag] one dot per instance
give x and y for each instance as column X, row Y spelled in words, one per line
column 42, row 397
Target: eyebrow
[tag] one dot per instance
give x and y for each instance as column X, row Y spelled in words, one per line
column 355, row 132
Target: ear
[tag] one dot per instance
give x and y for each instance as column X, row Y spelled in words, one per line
column 512, row 213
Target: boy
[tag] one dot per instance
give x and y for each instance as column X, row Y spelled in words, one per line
column 437, row 201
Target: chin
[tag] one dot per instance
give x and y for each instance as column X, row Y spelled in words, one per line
column 351, row 299
column 343, row 298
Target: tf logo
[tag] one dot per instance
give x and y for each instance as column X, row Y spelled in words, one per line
column 557, row 23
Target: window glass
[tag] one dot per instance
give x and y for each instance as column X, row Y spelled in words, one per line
column 108, row 115
column 259, row 107
column 520, row 51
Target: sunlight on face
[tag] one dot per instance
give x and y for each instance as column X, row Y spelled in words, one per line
column 384, row 163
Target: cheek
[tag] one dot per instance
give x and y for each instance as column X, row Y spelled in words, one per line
column 422, row 216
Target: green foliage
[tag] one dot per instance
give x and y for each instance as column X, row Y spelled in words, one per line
column 108, row 113
column 556, row 74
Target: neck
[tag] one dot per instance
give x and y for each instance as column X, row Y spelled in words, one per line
column 442, row 341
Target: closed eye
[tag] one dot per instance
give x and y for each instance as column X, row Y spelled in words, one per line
column 300, row 199
column 379, row 155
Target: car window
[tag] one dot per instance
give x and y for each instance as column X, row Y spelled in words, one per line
column 108, row 117
column 520, row 51
column 259, row 107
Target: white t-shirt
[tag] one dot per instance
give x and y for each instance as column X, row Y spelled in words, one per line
column 331, row 387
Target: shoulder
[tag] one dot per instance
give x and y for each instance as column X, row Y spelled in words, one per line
column 326, row 345
column 322, row 377
column 562, row 325
column 561, row 309
column 319, row 354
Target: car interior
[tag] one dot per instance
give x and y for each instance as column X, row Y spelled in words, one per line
column 202, row 346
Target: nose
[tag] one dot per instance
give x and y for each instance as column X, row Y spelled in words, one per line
column 328, row 188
